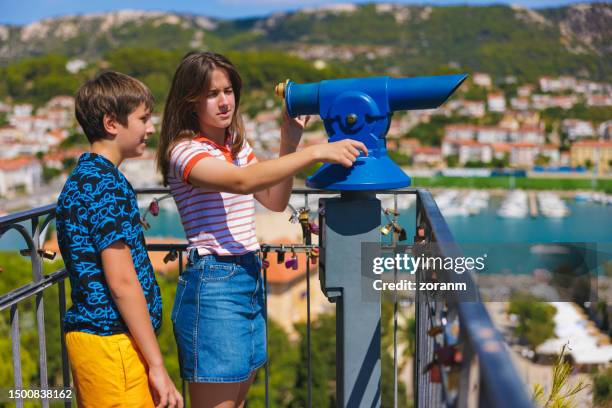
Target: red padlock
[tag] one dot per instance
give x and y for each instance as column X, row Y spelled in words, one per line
column 445, row 355
column 154, row 208
column 435, row 375
column 314, row 256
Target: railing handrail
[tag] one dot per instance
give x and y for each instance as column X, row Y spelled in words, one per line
column 27, row 214
column 495, row 363
column 500, row 381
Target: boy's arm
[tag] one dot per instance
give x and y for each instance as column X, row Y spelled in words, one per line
column 127, row 293
column 129, row 298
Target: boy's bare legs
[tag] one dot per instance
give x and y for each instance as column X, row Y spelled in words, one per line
column 219, row 395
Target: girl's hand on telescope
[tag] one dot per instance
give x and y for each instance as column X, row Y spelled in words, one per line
column 343, row 152
column 292, row 128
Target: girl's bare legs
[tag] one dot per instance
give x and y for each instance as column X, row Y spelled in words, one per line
column 244, row 389
column 219, row 395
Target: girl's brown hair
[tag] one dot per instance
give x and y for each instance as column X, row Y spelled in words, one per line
column 190, row 83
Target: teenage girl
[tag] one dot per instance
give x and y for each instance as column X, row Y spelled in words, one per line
column 214, row 177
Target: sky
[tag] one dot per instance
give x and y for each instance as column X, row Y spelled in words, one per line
column 22, row 12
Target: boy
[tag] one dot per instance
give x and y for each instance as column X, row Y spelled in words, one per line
column 116, row 302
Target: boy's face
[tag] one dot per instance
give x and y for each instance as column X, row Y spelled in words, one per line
column 133, row 137
column 216, row 108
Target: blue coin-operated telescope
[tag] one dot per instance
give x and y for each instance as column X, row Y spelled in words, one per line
column 361, row 109
column 358, row 109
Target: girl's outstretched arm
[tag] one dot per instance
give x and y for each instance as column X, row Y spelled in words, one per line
column 212, row 173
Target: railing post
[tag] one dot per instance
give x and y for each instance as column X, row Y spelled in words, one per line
column 65, row 363
column 40, row 309
column 16, row 349
column 349, row 221
column 308, row 241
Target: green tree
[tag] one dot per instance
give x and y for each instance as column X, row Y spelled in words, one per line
column 283, row 363
column 536, row 323
column 602, row 387
column 323, row 357
column 74, row 138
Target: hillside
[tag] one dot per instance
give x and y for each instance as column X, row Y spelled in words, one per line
column 375, row 38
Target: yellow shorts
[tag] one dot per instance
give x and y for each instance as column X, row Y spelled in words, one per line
column 108, row 371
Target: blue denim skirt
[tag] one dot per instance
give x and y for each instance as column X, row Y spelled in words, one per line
column 219, row 318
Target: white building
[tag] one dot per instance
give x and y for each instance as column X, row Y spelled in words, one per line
column 482, row 79
column 563, row 101
column 460, row 132
column 553, row 154
column 605, row 130
column 599, row 100
column 61, row 102
column 474, row 151
column 467, row 150
column 141, row 171
column 524, row 91
column 541, row 102
column 10, row 134
column 528, row 134
column 427, row 156
column 473, row 109
column 519, row 103
column 496, row 102
column 492, row 134
column 22, row 110
column 524, row 154
column 562, row 83
column 19, row 174
column 577, row 129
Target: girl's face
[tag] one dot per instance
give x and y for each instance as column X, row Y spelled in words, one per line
column 216, row 108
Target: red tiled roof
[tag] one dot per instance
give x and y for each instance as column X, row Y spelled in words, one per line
column 16, row 163
column 593, row 143
column 501, row 147
column 427, row 150
column 524, row 145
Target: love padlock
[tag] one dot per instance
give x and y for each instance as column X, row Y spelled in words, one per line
column 292, row 263
column 448, row 355
column 434, row 331
column 402, row 235
column 435, row 374
column 154, row 208
column 295, row 217
column 145, row 224
column 303, row 215
column 280, row 255
column 314, row 256
column 313, row 227
column 171, row 256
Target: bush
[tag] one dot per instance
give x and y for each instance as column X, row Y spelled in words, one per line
column 602, row 387
column 536, row 323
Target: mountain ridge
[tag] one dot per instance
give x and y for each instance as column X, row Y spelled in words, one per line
column 394, row 38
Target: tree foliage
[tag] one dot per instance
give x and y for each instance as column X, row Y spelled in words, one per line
column 536, row 323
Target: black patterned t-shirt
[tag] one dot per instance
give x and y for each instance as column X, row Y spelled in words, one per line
column 96, row 208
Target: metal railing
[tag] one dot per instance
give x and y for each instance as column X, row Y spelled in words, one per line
column 487, row 376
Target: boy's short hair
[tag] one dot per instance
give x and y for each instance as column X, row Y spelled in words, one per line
column 110, row 93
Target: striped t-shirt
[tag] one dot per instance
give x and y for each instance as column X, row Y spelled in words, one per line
column 214, row 222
